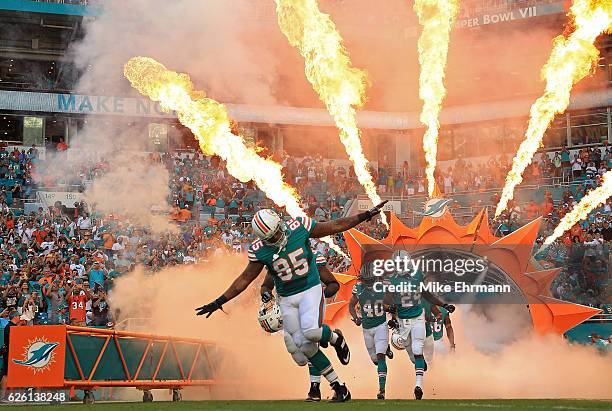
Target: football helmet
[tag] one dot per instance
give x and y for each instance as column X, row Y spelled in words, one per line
column 397, row 341
column 270, row 317
column 270, row 227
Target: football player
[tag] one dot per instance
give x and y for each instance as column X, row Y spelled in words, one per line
column 285, row 250
column 330, row 289
column 411, row 316
column 428, row 345
column 373, row 319
column 442, row 321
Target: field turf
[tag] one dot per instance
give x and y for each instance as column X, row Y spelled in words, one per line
column 425, row 405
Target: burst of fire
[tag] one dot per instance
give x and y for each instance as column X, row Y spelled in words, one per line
column 209, row 122
column 328, row 68
column 573, row 57
column 436, row 17
column 581, row 211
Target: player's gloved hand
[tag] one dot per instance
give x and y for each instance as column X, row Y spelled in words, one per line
column 210, row 308
column 392, row 323
column 266, row 296
column 372, row 212
column 357, row 321
column 390, row 308
column 449, row 307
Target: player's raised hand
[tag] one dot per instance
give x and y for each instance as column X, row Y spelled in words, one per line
column 449, row 307
column 374, row 211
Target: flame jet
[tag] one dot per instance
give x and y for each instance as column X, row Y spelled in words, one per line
column 588, row 203
column 573, row 57
column 210, row 123
column 436, row 17
column 328, row 69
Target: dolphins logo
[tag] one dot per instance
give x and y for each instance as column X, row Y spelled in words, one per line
column 435, row 207
column 38, row 354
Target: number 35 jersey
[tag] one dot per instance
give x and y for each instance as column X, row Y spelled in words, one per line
column 295, row 268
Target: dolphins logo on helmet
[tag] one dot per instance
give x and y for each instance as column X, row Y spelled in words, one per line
column 397, row 341
column 270, row 317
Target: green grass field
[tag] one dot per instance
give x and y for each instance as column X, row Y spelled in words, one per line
column 425, row 405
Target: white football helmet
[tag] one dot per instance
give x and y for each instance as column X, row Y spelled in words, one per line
column 270, row 317
column 270, row 227
column 397, row 341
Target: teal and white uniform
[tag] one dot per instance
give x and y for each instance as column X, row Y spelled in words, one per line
column 410, row 313
column 428, row 345
column 373, row 319
column 293, row 268
column 438, row 325
column 298, row 285
column 408, row 303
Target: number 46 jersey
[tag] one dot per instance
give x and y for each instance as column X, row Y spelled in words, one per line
column 294, row 269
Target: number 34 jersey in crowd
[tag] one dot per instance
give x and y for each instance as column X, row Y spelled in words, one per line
column 294, row 268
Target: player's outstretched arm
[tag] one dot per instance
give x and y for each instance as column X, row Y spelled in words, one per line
column 240, row 284
column 326, row 228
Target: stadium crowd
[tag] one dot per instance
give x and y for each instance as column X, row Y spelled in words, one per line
column 59, row 264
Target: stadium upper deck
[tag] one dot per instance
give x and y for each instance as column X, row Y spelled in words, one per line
column 35, row 57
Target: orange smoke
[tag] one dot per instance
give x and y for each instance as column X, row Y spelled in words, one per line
column 523, row 366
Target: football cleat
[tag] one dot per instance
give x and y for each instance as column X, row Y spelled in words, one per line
column 418, row 392
column 389, row 353
column 314, row 395
column 341, row 393
column 380, row 395
column 342, row 349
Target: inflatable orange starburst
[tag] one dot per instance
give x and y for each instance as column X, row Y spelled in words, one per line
column 512, row 254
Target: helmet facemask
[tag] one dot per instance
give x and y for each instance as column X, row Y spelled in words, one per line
column 278, row 238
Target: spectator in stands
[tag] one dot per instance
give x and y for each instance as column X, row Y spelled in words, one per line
column 14, row 320
column 61, row 145
column 577, row 165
